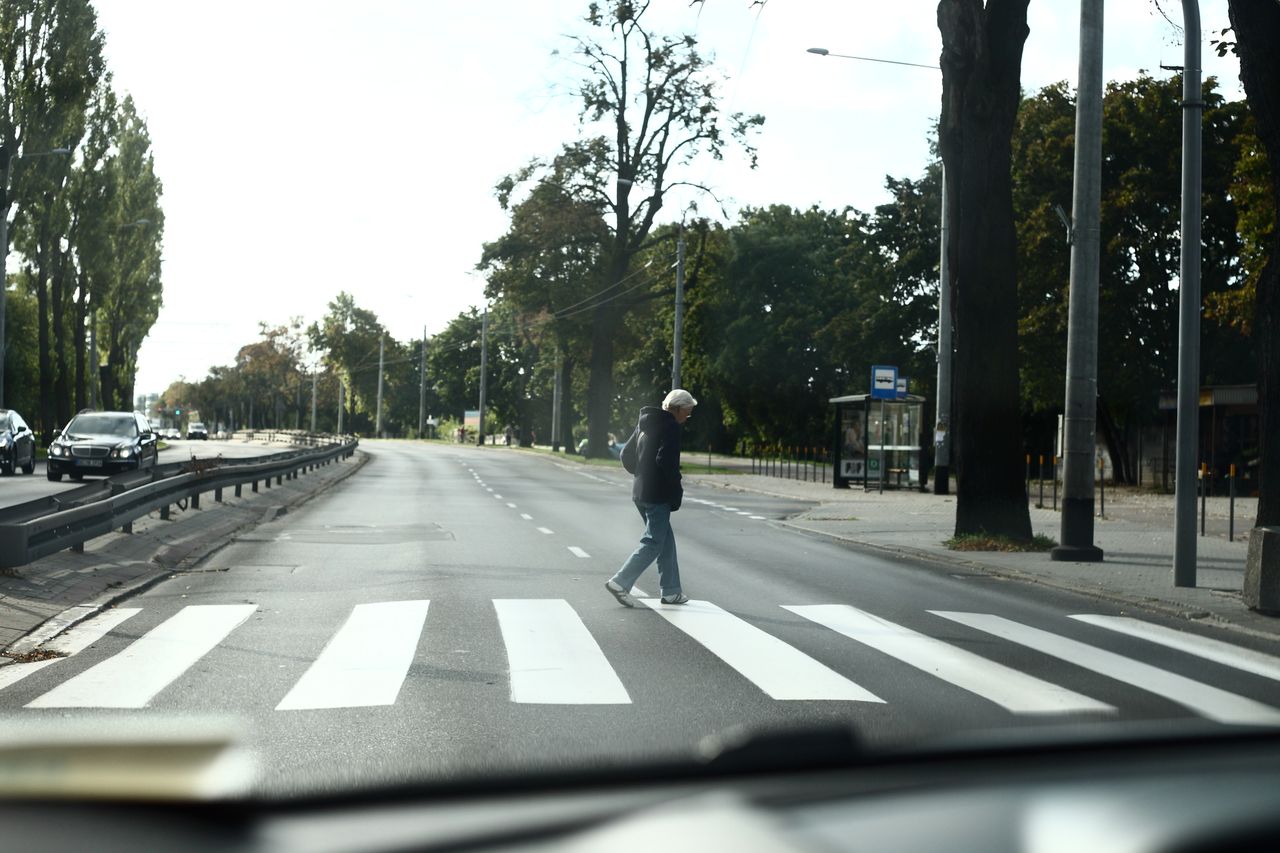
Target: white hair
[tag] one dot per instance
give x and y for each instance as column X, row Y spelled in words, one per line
column 679, row 399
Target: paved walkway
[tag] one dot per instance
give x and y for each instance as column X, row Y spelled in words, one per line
column 1136, row 538
column 75, row 585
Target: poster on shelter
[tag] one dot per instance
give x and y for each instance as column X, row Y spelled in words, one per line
column 853, row 443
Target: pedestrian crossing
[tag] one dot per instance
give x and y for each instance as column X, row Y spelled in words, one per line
column 554, row 658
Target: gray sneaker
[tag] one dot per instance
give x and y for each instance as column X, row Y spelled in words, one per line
column 678, row 598
column 624, row 598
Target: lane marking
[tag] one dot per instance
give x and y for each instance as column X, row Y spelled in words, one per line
column 133, row 677
column 1248, row 660
column 742, row 512
column 545, row 530
column 526, row 516
column 554, row 659
column 71, row 642
column 780, row 670
column 757, row 518
column 499, row 497
column 510, row 504
column 1013, row 690
column 578, row 552
column 1201, row 698
column 365, row 662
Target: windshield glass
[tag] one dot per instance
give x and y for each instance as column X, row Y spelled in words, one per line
column 123, row 426
column 552, row 385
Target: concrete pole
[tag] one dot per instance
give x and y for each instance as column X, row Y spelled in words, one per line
column 93, row 356
column 1188, row 441
column 942, row 432
column 381, row 347
column 555, row 410
column 484, row 369
column 678, row 337
column 314, row 376
column 1082, row 321
column 422, row 386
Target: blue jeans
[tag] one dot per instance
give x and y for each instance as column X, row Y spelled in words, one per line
column 658, row 542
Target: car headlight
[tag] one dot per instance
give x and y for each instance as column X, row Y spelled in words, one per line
column 122, row 452
column 4, row 441
column 56, row 450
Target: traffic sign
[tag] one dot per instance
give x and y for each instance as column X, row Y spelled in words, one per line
column 884, row 382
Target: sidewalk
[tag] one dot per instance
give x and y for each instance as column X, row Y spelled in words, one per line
column 42, row 598
column 1136, row 538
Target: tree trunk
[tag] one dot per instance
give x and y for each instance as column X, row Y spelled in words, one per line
column 107, row 382
column 981, row 64
column 1257, row 24
column 57, row 318
column 607, row 322
column 45, row 366
column 1117, row 447
column 566, row 403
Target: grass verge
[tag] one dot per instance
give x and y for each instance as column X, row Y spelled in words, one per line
column 989, row 542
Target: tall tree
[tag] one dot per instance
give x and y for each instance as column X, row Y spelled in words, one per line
column 649, row 107
column 1257, row 26
column 981, row 68
column 133, row 293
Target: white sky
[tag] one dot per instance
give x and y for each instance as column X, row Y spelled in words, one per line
column 308, row 147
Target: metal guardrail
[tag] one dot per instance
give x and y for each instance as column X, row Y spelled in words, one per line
column 50, row 524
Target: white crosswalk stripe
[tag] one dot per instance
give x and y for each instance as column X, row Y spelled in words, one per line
column 1248, row 660
column 133, row 677
column 1013, row 690
column 1201, row 698
column 70, row 643
column 780, row 670
column 365, row 662
column 554, row 659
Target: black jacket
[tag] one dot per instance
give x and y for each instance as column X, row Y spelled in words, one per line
column 657, row 477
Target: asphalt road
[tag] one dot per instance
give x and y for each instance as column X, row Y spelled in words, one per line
column 442, row 613
column 20, row 487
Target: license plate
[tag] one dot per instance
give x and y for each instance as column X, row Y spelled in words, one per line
column 89, row 463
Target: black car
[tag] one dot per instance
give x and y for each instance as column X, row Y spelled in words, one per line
column 102, row 443
column 17, row 444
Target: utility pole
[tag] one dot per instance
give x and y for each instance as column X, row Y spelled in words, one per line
column 339, row 405
column 378, row 428
column 484, row 368
column 93, row 355
column 555, row 410
column 4, row 255
column 1079, row 418
column 679, row 330
column 422, row 386
column 942, row 432
column 314, row 375
column 1184, row 517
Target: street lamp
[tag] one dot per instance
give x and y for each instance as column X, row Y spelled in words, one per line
column 6, row 163
column 942, row 429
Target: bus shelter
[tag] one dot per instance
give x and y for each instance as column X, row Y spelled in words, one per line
column 877, row 441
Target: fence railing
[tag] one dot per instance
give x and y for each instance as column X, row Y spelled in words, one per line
column 791, row 463
column 68, row 519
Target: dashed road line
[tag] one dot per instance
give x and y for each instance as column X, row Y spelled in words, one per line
column 578, row 552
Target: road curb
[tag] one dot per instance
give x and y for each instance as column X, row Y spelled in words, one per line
column 201, row 550
column 1164, row 607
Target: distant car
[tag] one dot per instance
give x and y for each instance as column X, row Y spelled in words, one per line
column 197, row 431
column 171, row 434
column 17, row 444
column 101, row 443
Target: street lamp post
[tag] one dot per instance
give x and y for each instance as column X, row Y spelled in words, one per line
column 942, row 429
column 6, row 163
